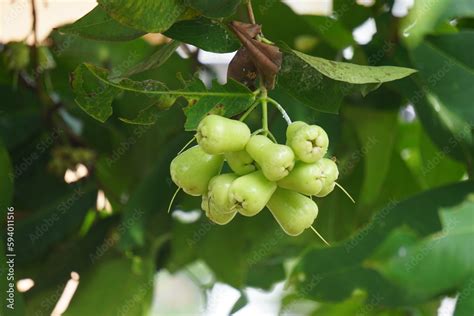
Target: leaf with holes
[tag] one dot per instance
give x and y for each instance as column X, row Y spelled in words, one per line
column 322, row 84
column 226, row 100
column 95, row 93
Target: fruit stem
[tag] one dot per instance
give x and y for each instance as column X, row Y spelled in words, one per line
column 285, row 115
column 250, row 12
column 187, row 145
column 270, row 135
column 319, row 235
column 344, row 190
column 263, row 100
column 250, row 109
column 172, row 199
column 258, row 131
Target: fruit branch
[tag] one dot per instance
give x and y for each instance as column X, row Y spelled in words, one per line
column 250, row 12
column 263, row 100
column 250, row 110
column 280, row 108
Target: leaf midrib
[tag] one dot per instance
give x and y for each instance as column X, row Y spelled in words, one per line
column 175, row 92
column 450, row 57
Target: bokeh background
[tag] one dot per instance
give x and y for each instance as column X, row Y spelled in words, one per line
column 90, row 198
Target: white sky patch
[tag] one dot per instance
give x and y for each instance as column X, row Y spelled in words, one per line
column 348, row 53
column 408, row 113
column 447, row 306
column 214, row 58
column 66, row 296
column 401, row 7
column 363, row 33
column 78, row 173
column 187, row 217
column 263, row 302
column 102, row 203
column 218, row 299
column 24, row 285
column 366, row 3
column 320, row 7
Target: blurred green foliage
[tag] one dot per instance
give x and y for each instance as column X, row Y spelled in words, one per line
column 405, row 152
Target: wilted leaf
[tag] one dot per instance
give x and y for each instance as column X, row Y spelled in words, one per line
column 265, row 58
column 322, row 84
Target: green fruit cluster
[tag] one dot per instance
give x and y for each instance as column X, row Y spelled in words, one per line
column 265, row 174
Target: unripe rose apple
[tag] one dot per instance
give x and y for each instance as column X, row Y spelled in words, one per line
column 309, row 142
column 218, row 135
column 248, row 194
column 193, row 169
column 292, row 210
column 275, row 160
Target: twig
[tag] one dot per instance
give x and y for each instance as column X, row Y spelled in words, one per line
column 250, row 12
column 285, row 115
column 34, row 25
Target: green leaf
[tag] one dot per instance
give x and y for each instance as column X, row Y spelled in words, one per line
column 441, row 92
column 204, row 33
column 270, row 14
column 214, row 8
column 98, row 25
column 51, row 223
column 227, row 100
column 155, row 60
column 95, row 93
column 465, row 301
column 357, row 304
column 132, row 297
column 146, row 15
column 265, row 274
column 447, row 71
column 330, row 30
column 322, row 84
column 437, row 167
column 417, row 270
column 355, row 74
column 333, row 273
column 6, row 180
column 433, row 167
column 425, row 17
column 350, row 13
column 375, row 130
column 240, row 303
